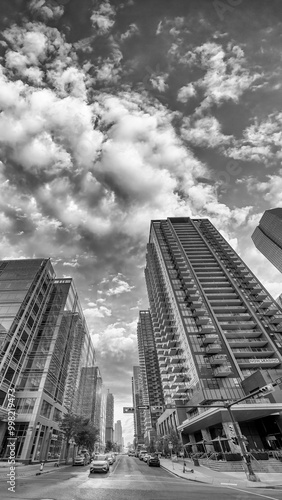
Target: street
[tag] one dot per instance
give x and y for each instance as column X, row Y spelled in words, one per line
column 128, row 478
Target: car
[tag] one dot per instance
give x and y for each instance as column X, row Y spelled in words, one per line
column 99, row 463
column 111, row 459
column 153, row 460
column 145, row 457
column 141, row 454
column 81, row 459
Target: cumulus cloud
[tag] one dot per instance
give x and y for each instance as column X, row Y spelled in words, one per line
column 261, row 142
column 103, row 17
column 204, row 132
column 186, row 92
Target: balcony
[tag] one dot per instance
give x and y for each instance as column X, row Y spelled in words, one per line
column 218, row 359
column 243, row 342
column 240, row 325
column 210, row 338
column 275, row 320
column 213, row 348
column 202, row 320
column 230, row 334
column 246, row 352
column 207, row 329
column 266, row 303
column 222, row 371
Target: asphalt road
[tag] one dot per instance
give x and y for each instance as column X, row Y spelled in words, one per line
column 128, row 479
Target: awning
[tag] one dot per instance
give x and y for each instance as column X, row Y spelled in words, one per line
column 215, row 415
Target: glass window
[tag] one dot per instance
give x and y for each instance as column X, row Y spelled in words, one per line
column 45, row 409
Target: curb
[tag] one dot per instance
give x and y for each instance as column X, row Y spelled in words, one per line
column 186, row 478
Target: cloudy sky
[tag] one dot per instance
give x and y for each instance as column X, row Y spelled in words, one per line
column 114, row 113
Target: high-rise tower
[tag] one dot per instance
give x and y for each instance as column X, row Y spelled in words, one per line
column 150, row 374
column 267, row 237
column 217, row 331
column 109, row 417
column 44, row 343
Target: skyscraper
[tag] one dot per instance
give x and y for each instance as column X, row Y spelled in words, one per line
column 109, row 417
column 217, row 333
column 267, row 237
column 44, row 343
column 118, row 433
column 137, row 398
column 150, row 374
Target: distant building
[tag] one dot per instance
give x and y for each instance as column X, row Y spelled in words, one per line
column 90, row 394
column 267, row 237
column 44, row 346
column 137, row 397
column 118, row 433
column 150, row 374
column 109, row 417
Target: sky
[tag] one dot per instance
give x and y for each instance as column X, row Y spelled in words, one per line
column 114, row 113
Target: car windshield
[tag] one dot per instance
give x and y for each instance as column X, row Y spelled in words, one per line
column 100, row 457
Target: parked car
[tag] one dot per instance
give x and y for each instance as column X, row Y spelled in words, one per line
column 145, row 457
column 141, row 454
column 153, row 460
column 99, row 463
column 82, row 458
column 111, row 459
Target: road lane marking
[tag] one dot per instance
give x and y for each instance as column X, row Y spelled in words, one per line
column 256, row 494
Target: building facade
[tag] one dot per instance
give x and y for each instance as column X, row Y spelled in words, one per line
column 267, row 237
column 137, row 398
column 118, row 439
column 150, row 375
column 44, row 343
column 218, row 336
column 109, row 417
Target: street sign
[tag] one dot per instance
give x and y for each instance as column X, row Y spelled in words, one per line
column 156, row 408
column 144, row 407
column 266, row 389
column 170, row 446
column 128, row 409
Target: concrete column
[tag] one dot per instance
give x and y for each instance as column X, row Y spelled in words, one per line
column 228, row 426
column 193, row 442
column 207, row 437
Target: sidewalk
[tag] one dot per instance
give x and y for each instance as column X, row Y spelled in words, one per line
column 203, row 474
column 29, row 470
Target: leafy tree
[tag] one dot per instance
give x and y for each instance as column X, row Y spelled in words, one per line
column 109, row 446
column 79, row 429
column 87, row 435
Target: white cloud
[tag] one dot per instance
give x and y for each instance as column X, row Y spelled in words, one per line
column 103, row 17
column 186, row 92
column 205, row 132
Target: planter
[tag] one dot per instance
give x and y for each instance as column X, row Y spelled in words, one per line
column 233, row 457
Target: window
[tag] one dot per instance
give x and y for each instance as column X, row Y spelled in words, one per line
column 45, row 409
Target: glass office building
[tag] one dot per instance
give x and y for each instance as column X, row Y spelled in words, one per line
column 267, row 237
column 44, row 344
column 218, row 336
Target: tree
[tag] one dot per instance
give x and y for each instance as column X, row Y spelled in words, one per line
column 80, row 430
column 87, row 435
column 69, row 425
column 109, row 446
column 174, row 439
